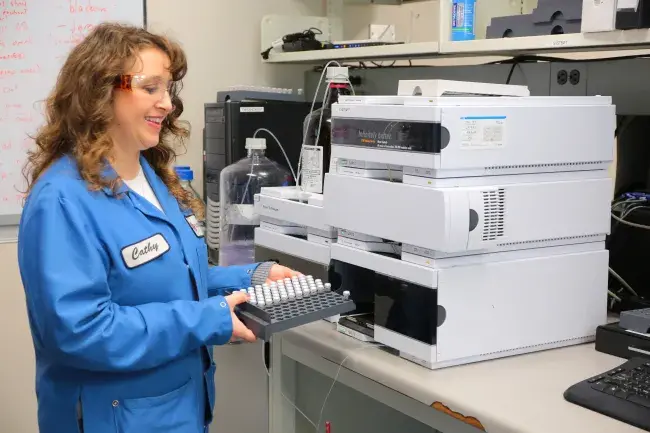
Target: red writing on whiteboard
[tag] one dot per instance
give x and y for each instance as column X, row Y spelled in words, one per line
column 22, row 26
column 69, row 40
column 13, row 3
column 8, row 13
column 81, row 28
column 12, row 56
column 11, row 72
column 19, row 43
column 7, row 145
column 25, row 118
column 33, row 70
column 3, row 29
column 76, row 8
column 9, row 89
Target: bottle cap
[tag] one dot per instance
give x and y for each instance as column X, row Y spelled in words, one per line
column 184, row 172
column 338, row 74
column 256, row 143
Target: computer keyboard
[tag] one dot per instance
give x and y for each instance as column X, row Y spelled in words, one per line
column 291, row 302
column 622, row 393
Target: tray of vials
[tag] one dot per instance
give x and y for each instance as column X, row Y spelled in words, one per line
column 288, row 303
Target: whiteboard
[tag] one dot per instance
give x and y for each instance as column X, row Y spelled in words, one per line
column 35, row 37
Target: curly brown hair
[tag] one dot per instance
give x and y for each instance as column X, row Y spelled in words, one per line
column 78, row 111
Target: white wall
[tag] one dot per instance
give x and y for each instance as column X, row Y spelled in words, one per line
column 416, row 22
column 222, row 42
column 17, row 401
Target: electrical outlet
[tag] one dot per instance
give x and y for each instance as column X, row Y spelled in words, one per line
column 382, row 32
column 570, row 79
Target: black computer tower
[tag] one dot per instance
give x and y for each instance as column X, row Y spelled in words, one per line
column 227, row 125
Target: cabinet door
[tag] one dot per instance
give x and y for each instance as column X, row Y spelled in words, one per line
column 242, row 389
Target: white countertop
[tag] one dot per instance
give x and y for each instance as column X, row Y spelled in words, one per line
column 519, row 394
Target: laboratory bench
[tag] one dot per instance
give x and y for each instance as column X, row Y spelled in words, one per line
column 522, row 394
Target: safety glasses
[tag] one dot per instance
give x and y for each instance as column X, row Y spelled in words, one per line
column 153, row 86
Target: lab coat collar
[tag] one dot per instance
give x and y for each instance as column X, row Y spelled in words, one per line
column 163, row 194
column 159, row 188
column 109, row 173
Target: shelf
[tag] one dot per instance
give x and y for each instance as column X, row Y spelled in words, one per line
column 544, row 45
column 576, row 42
column 419, row 49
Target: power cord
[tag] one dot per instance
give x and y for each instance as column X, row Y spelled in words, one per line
column 625, row 207
column 300, row 41
column 630, row 205
column 622, row 221
column 512, row 70
column 623, row 282
column 516, row 61
column 338, row 371
column 538, row 58
column 268, row 373
column 336, row 377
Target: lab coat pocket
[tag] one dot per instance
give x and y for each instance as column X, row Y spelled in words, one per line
column 174, row 412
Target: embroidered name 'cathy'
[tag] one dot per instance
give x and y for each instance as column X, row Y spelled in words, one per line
column 144, row 251
column 137, row 252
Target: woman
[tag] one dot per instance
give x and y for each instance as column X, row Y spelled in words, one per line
column 122, row 305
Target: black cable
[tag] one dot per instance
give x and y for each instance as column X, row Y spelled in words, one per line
column 265, row 53
column 308, row 36
column 382, row 66
column 537, row 58
column 512, row 69
column 363, row 65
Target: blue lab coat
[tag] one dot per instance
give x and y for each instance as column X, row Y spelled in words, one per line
column 122, row 306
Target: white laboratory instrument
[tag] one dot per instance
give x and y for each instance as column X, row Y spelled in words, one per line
column 462, row 136
column 295, row 227
column 500, row 213
column 293, row 232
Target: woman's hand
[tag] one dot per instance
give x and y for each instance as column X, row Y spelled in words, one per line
column 279, row 272
column 239, row 330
